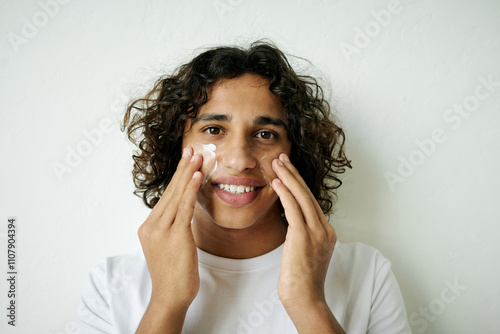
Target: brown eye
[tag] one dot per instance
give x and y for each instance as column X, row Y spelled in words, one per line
column 213, row 130
column 266, row 135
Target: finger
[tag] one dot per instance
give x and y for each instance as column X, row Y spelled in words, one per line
column 170, row 211
column 186, row 205
column 293, row 212
column 169, row 201
column 284, row 158
column 186, row 156
column 328, row 228
column 298, row 191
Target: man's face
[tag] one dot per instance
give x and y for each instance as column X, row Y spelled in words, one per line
column 245, row 124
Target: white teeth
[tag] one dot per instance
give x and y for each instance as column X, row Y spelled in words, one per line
column 234, row 189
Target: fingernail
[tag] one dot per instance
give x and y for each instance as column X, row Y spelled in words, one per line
column 277, row 180
column 185, row 152
column 285, row 157
column 193, row 157
column 281, row 163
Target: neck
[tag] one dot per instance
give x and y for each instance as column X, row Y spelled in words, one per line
column 242, row 243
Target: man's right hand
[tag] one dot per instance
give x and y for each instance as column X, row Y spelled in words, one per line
column 170, row 251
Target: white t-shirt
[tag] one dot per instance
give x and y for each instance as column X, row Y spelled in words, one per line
column 240, row 296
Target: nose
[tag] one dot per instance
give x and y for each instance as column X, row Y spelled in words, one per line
column 237, row 154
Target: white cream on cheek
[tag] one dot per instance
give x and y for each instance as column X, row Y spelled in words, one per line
column 265, row 160
column 210, row 163
column 209, row 159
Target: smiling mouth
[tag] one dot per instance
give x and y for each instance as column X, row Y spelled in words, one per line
column 236, row 189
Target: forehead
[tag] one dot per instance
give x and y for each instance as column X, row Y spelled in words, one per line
column 247, row 95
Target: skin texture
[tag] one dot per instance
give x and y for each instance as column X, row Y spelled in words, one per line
column 169, row 240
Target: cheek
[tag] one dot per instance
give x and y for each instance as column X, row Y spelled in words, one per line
column 265, row 167
column 210, row 163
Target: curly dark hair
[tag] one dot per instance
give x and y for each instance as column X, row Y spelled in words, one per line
column 155, row 123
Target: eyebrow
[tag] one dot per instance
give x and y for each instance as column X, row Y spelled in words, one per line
column 212, row 117
column 261, row 120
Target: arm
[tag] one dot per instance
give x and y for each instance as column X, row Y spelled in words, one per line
column 170, row 251
column 308, row 248
column 160, row 319
column 314, row 318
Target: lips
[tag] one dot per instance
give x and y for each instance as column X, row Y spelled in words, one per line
column 237, row 191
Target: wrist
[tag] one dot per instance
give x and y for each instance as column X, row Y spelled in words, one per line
column 313, row 316
column 172, row 299
column 302, row 299
column 304, row 306
column 170, row 306
column 162, row 317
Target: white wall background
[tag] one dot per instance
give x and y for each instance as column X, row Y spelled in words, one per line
column 67, row 69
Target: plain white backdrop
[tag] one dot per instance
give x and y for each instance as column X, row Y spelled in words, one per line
column 415, row 83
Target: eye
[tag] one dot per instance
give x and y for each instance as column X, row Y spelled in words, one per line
column 213, row 130
column 266, row 135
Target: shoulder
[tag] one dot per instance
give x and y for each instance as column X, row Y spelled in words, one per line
column 115, row 272
column 356, row 272
column 364, row 292
column 115, row 294
column 357, row 256
column 119, row 265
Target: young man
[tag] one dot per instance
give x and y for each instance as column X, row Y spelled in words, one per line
column 237, row 159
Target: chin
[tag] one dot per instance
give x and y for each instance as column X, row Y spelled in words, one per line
column 234, row 224
column 233, row 218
